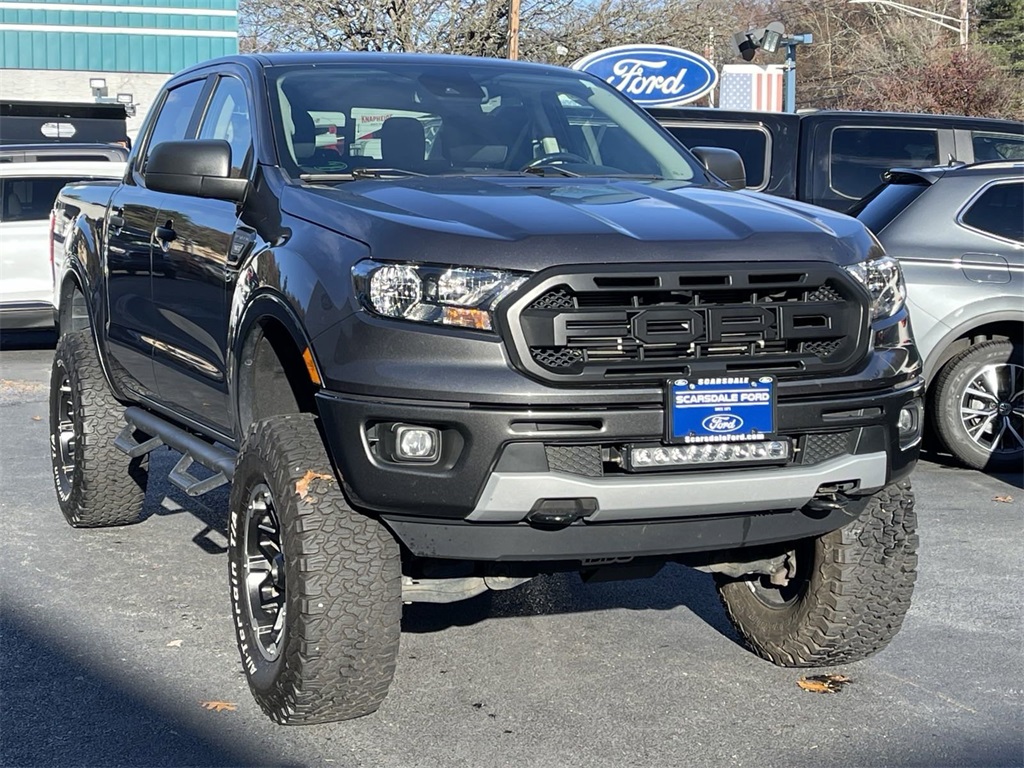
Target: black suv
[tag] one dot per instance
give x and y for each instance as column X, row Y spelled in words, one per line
column 834, row 158
column 451, row 323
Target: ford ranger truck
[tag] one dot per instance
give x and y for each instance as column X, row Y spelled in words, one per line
column 448, row 324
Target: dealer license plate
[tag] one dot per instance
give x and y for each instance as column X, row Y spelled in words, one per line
column 720, row 409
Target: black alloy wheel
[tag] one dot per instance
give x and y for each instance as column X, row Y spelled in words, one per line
column 264, row 572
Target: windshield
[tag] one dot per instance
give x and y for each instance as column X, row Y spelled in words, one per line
column 368, row 120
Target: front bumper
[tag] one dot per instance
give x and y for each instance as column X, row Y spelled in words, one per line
column 502, row 463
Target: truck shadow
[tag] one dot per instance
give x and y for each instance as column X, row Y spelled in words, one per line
column 674, row 587
column 59, row 710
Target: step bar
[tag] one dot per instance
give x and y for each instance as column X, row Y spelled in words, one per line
column 194, row 450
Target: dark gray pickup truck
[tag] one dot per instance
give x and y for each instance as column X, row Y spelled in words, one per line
column 450, row 324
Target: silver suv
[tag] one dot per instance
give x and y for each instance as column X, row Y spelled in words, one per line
column 959, row 234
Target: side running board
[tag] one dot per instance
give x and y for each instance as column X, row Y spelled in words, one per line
column 194, row 450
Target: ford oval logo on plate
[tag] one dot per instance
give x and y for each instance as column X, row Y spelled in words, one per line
column 719, row 425
column 652, row 75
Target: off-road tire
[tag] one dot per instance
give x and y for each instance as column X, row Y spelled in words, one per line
column 949, row 389
column 855, row 588
column 342, row 582
column 101, row 486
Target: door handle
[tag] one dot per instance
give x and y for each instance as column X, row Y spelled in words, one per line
column 165, row 234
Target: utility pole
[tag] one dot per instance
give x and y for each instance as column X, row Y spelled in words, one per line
column 513, row 29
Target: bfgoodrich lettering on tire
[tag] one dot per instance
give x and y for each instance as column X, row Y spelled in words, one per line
column 851, row 590
column 316, row 589
column 96, row 484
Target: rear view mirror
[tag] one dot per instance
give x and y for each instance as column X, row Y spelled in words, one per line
column 726, row 164
column 199, row 168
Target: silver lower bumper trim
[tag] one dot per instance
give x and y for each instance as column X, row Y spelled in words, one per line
column 509, row 496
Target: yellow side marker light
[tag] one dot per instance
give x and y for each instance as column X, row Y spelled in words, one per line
column 307, row 357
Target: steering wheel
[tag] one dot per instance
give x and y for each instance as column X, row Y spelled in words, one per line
column 554, row 158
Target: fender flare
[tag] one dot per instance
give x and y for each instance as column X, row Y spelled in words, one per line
column 265, row 303
column 76, row 272
column 73, row 268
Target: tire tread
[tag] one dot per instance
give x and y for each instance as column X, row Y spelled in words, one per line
column 109, row 488
column 343, row 573
column 856, row 600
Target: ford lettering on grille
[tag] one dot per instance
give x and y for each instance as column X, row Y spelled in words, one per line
column 640, row 325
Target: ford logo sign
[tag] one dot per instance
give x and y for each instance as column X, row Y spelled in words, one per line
column 720, row 423
column 652, row 75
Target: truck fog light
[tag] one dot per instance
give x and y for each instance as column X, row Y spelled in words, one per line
column 422, row 444
column 909, row 423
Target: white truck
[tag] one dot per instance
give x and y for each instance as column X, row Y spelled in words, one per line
column 27, row 192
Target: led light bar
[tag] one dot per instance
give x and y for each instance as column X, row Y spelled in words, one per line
column 714, row 453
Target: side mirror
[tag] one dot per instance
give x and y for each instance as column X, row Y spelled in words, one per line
column 199, row 168
column 726, row 164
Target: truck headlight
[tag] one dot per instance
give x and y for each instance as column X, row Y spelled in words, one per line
column 428, row 293
column 883, row 278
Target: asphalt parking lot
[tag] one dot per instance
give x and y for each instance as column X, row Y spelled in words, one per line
column 113, row 639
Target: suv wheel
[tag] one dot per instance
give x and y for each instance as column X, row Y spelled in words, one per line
column 848, row 598
column 97, row 485
column 979, row 406
column 316, row 588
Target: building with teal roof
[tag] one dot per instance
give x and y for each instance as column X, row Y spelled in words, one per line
column 61, row 50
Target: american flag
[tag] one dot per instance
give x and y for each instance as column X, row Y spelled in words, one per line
column 749, row 86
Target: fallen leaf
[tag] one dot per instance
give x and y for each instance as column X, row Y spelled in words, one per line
column 302, row 484
column 174, row 644
column 37, row 418
column 824, row 683
column 219, row 706
column 1004, row 499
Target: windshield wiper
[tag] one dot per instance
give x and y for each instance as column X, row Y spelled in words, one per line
column 326, row 177
column 359, row 173
column 383, row 173
column 542, row 170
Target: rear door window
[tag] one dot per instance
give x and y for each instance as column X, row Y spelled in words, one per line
column 997, row 146
column 859, row 156
column 752, row 143
column 998, row 211
column 30, row 199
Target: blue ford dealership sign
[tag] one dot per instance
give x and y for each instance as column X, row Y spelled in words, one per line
column 652, row 75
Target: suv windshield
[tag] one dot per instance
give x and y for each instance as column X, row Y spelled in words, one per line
column 440, row 119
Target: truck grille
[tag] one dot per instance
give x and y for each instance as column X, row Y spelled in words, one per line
column 641, row 325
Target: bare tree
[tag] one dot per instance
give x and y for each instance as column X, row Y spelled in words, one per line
column 863, row 56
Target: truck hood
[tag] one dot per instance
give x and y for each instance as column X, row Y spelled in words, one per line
column 530, row 223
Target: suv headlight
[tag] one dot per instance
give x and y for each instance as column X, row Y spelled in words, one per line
column 427, row 293
column 883, row 278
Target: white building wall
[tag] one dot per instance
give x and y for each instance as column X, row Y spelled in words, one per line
column 62, row 85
